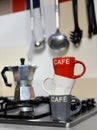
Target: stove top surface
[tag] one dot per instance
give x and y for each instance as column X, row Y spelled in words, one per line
column 40, row 114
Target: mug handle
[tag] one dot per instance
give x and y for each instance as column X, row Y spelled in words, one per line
column 44, row 86
column 78, row 108
column 84, row 69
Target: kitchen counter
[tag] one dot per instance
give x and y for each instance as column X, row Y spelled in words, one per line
column 89, row 124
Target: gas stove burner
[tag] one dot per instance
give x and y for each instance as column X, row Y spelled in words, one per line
column 38, row 112
column 25, row 109
column 25, row 113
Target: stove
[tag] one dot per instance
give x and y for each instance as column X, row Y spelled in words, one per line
column 16, row 112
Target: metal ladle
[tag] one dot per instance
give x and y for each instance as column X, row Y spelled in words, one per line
column 58, row 41
column 38, row 45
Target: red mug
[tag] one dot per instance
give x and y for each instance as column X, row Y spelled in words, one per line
column 64, row 66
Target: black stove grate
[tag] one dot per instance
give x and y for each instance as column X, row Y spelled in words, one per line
column 9, row 108
column 10, row 112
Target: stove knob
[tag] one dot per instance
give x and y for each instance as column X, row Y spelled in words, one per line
column 22, row 61
column 74, row 104
column 84, row 106
column 93, row 102
column 89, row 104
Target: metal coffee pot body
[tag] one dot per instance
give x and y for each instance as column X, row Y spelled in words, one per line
column 23, row 77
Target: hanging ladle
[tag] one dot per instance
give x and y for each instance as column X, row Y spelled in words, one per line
column 58, row 41
column 38, row 45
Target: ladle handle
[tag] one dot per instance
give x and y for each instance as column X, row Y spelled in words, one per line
column 5, row 77
column 57, row 13
column 32, row 14
column 33, row 4
column 42, row 14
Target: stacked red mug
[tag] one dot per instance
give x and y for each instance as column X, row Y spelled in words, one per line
column 64, row 66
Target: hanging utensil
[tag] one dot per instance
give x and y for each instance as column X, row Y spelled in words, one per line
column 33, row 40
column 34, row 45
column 42, row 20
column 92, row 25
column 58, row 41
column 94, row 17
column 89, row 16
column 38, row 45
column 41, row 45
column 76, row 35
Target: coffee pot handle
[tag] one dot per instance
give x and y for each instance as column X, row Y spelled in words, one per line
column 5, row 77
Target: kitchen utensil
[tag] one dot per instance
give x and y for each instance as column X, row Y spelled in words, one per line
column 23, row 76
column 38, row 45
column 94, row 17
column 58, row 41
column 42, row 22
column 76, row 35
column 90, row 27
column 33, row 40
column 34, row 44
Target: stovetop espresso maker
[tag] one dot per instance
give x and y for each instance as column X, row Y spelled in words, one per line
column 23, row 77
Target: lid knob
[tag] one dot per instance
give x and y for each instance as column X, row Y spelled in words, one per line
column 22, row 61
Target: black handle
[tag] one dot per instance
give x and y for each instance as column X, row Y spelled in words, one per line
column 22, row 61
column 93, row 17
column 89, row 16
column 36, row 3
column 75, row 13
column 5, row 77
